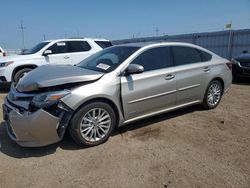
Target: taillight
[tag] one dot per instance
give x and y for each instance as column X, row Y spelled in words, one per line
column 4, row 54
column 229, row 65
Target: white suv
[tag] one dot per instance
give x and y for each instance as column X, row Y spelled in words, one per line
column 61, row 51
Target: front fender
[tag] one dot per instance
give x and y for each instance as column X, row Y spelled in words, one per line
column 105, row 88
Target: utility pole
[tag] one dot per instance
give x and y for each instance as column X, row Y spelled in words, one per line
column 157, row 31
column 44, row 37
column 229, row 26
column 22, row 28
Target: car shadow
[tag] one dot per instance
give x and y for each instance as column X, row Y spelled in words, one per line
column 10, row 148
column 241, row 81
column 4, row 88
column 4, row 91
column 158, row 118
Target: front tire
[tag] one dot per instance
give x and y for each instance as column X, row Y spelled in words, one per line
column 19, row 74
column 92, row 124
column 213, row 95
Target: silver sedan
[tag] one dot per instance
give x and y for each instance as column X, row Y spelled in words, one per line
column 111, row 88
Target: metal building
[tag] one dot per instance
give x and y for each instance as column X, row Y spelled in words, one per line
column 228, row 44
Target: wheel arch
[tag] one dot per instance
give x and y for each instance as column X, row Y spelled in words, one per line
column 105, row 100
column 221, row 81
column 16, row 69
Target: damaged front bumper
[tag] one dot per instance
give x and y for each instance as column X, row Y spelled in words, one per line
column 35, row 128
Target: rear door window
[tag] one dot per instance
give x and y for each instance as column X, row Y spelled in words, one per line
column 155, row 58
column 79, row 46
column 205, row 56
column 186, row 55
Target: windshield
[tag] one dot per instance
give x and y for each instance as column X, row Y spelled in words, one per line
column 35, row 48
column 104, row 44
column 108, row 59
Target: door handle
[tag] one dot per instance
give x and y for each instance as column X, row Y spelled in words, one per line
column 206, row 69
column 66, row 57
column 169, row 77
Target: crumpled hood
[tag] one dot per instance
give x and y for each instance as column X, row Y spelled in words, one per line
column 53, row 75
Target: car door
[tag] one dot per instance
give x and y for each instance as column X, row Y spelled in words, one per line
column 60, row 53
column 152, row 90
column 80, row 50
column 191, row 74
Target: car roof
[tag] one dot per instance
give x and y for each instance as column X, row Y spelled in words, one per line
column 144, row 44
column 77, row 39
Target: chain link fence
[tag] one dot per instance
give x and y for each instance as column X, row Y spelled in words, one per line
column 228, row 44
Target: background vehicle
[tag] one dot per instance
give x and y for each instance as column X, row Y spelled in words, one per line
column 111, row 88
column 2, row 53
column 61, row 51
column 241, row 65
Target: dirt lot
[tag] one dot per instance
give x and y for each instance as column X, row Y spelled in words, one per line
column 186, row 148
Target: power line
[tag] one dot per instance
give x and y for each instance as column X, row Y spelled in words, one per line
column 77, row 32
column 22, row 28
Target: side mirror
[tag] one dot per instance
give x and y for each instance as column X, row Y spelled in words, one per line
column 134, row 69
column 47, row 52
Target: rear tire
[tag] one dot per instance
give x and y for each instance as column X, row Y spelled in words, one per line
column 92, row 124
column 213, row 95
column 19, row 74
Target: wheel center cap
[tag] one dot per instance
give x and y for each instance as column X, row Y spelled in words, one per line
column 95, row 123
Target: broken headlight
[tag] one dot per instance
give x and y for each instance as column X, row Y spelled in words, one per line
column 44, row 100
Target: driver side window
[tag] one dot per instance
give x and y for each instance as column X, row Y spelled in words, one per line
column 59, row 48
column 155, row 58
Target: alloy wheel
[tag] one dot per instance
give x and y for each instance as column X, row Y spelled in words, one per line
column 95, row 124
column 214, row 94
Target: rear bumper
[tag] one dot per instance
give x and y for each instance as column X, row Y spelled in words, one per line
column 34, row 129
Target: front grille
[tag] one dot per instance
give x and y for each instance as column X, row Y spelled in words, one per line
column 21, row 101
column 20, row 109
column 246, row 72
column 245, row 64
column 15, row 96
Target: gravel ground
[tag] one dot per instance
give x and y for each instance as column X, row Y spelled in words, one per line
column 186, row 148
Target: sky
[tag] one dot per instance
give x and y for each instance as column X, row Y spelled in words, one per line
column 115, row 19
